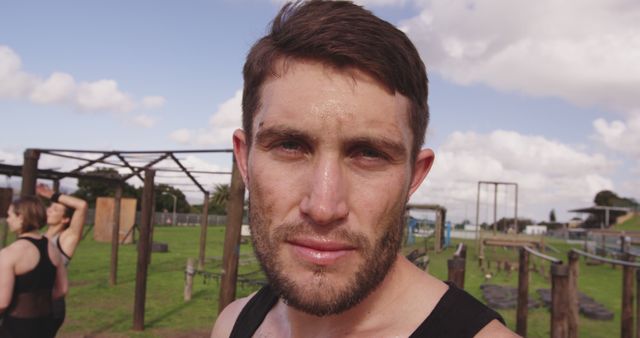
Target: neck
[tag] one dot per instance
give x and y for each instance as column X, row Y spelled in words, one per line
column 32, row 233
column 368, row 316
column 390, row 310
column 53, row 230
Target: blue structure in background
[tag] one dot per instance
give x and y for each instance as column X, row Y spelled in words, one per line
column 411, row 224
column 447, row 238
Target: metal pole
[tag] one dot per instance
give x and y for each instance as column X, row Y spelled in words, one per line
column 232, row 240
column 29, row 172
column 516, row 209
column 143, row 250
column 175, row 203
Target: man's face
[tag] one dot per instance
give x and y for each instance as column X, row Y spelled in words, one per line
column 329, row 173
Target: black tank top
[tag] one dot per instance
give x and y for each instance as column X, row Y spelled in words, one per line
column 32, row 290
column 457, row 315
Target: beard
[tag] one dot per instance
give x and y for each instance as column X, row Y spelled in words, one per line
column 325, row 295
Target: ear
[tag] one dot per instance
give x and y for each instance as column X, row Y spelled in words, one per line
column 421, row 169
column 241, row 153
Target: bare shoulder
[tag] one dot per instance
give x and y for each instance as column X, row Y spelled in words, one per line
column 54, row 254
column 227, row 318
column 495, row 329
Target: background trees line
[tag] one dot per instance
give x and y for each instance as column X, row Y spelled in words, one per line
column 90, row 190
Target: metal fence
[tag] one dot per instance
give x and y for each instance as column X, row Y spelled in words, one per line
column 166, row 219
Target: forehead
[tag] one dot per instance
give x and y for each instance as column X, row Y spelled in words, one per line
column 331, row 100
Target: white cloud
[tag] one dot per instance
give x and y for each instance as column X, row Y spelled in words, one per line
column 182, row 136
column 222, row 124
column 621, row 136
column 144, row 121
column 103, row 95
column 585, row 52
column 153, row 102
column 549, row 175
column 61, row 88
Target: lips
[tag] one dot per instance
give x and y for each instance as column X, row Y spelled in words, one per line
column 320, row 252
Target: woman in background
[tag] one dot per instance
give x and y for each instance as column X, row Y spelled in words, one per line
column 66, row 217
column 32, row 274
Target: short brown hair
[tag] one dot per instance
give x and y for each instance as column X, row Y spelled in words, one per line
column 33, row 212
column 343, row 35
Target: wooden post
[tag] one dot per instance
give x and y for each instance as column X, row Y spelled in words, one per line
column 559, row 285
column 115, row 236
column 456, row 271
column 143, row 250
column 56, row 185
column 188, row 281
column 523, row 293
column 495, row 208
column 232, row 240
column 203, row 230
column 463, row 252
column 29, row 172
column 637, row 303
column 437, row 238
column 477, row 223
column 626, row 322
column 573, row 294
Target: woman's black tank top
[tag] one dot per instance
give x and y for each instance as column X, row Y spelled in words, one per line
column 457, row 315
column 32, row 290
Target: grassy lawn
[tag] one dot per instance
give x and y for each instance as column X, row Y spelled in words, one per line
column 96, row 310
column 630, row 224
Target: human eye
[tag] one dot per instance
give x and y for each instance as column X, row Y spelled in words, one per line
column 289, row 148
column 369, row 156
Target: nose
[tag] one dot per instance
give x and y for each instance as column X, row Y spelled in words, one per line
column 325, row 202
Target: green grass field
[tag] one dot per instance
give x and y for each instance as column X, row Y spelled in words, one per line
column 632, row 224
column 94, row 309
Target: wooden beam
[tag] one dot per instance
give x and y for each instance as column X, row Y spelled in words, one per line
column 115, row 236
column 29, row 172
column 523, row 293
column 143, row 250
column 232, row 240
column 204, row 222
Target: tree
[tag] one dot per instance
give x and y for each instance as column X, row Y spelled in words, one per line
column 221, row 195
column 608, row 198
column 552, row 216
column 90, row 189
column 164, row 200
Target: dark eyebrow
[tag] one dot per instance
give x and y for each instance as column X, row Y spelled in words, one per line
column 269, row 134
column 393, row 148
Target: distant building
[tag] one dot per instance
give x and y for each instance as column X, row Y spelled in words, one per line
column 535, row 229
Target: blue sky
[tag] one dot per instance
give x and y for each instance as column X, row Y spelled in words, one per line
column 541, row 93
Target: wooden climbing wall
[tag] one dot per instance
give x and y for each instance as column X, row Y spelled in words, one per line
column 104, row 219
